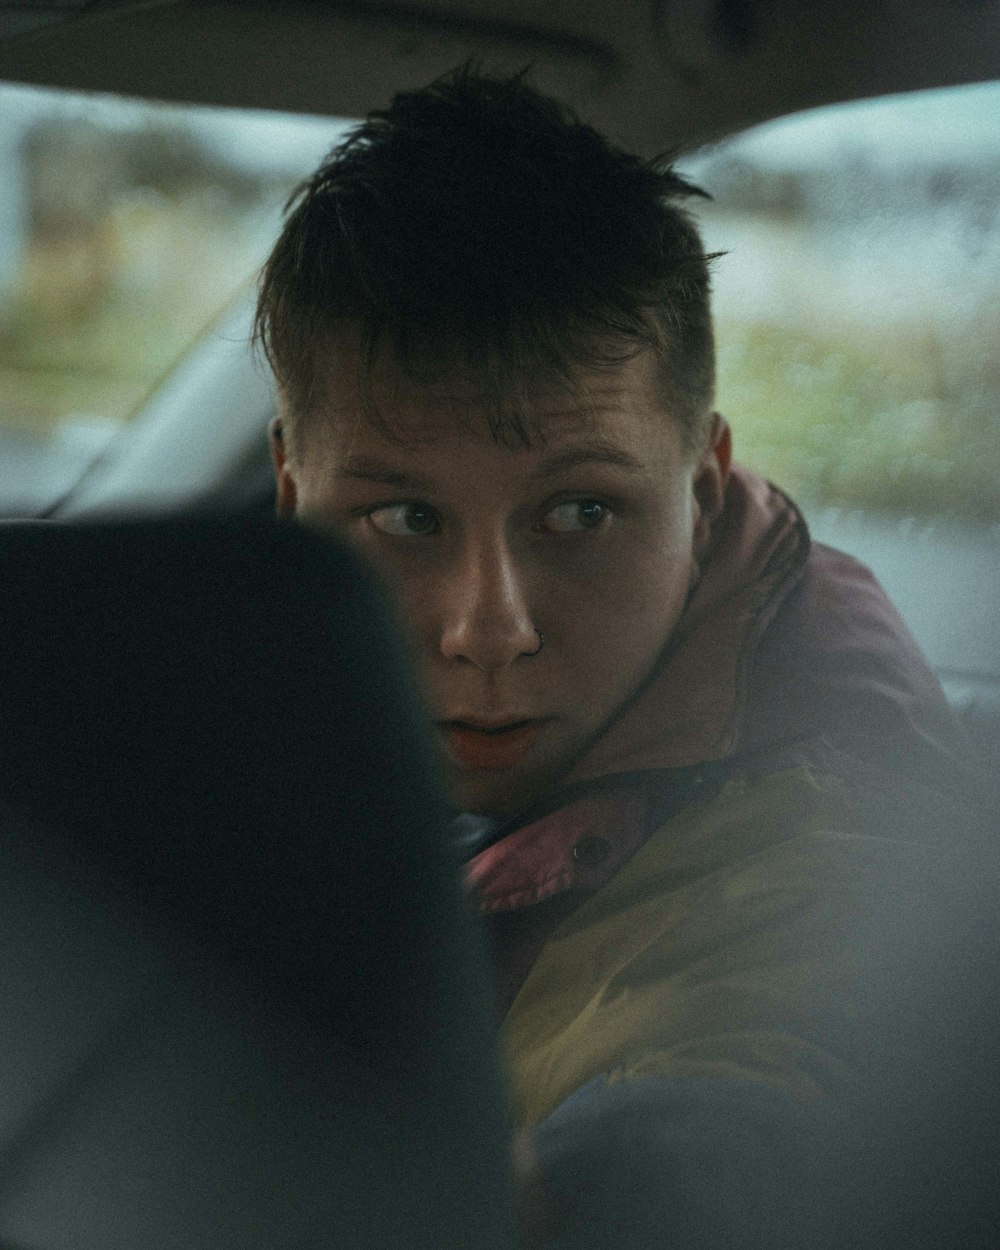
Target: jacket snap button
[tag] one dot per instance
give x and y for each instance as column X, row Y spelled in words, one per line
column 591, row 851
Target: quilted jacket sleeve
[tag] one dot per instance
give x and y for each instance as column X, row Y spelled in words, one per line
column 748, row 1012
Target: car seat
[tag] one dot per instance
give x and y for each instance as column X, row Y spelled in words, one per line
column 244, row 1002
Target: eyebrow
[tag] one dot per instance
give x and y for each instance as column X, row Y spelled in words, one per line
column 592, row 451
column 369, row 469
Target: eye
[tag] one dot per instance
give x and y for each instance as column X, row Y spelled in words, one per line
column 404, row 520
column 576, row 516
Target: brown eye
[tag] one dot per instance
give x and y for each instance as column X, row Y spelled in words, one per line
column 575, row 516
column 404, row 520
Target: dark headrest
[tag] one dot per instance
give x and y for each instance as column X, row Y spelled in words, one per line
column 217, row 709
column 245, row 998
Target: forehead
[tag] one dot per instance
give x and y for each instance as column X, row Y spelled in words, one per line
column 435, row 416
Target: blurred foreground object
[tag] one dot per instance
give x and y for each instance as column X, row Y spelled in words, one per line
column 243, row 1003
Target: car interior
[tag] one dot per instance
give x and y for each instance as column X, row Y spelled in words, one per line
column 165, row 955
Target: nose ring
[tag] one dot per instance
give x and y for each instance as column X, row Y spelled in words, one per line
column 541, row 643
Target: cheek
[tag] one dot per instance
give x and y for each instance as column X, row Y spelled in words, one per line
column 618, row 621
column 645, row 576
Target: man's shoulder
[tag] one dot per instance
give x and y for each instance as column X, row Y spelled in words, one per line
column 779, row 822
column 838, row 663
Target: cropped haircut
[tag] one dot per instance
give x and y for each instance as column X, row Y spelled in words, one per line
column 477, row 223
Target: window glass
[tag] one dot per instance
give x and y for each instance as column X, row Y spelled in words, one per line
column 125, row 229
column 858, row 303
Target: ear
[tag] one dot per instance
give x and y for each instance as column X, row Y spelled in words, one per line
column 287, row 498
column 710, row 477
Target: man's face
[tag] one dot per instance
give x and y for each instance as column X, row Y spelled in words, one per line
column 588, row 541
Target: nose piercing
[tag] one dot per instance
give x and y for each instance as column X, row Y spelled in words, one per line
column 541, row 643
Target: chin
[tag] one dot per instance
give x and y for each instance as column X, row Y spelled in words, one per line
column 493, row 793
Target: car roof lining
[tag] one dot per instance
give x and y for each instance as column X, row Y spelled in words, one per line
column 656, row 75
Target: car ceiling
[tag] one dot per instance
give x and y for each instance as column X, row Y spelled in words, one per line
column 654, row 74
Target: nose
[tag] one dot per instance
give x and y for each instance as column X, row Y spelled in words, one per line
column 486, row 618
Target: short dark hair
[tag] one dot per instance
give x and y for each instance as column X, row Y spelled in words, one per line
column 480, row 222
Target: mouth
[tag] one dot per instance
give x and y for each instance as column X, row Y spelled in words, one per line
column 479, row 745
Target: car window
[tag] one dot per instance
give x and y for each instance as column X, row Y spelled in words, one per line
column 857, row 301
column 125, row 229
column 857, row 325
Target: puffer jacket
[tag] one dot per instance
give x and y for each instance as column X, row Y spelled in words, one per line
column 719, row 944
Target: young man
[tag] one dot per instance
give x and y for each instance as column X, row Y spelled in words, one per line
column 681, row 737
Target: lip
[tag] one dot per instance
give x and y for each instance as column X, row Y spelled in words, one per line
column 478, row 744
